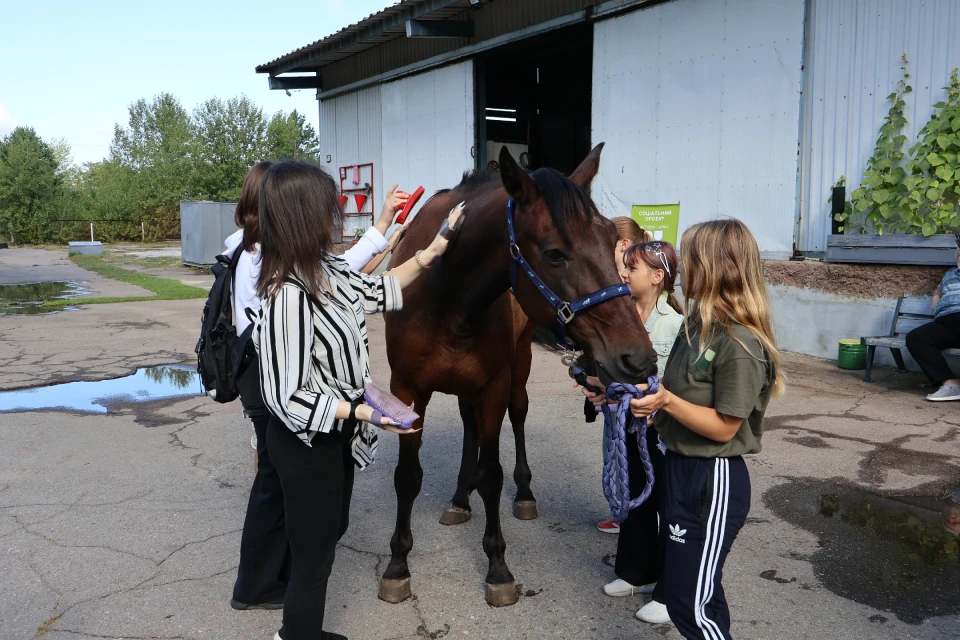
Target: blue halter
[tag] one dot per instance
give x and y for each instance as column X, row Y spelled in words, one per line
column 566, row 311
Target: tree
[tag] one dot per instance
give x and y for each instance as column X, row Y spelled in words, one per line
column 289, row 135
column 158, row 147
column 30, row 186
column 231, row 137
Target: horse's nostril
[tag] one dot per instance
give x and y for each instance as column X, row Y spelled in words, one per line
column 637, row 366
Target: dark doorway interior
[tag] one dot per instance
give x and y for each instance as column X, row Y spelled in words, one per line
column 535, row 97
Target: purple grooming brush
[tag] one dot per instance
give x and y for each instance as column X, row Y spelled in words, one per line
column 389, row 405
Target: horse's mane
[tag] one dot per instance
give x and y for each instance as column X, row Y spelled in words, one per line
column 567, row 202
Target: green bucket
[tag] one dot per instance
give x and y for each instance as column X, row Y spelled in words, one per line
column 852, row 355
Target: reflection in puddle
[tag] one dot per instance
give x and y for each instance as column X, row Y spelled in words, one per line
column 878, row 551
column 146, row 385
column 25, row 299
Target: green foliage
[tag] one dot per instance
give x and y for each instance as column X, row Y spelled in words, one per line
column 873, row 206
column 291, row 136
column 162, row 155
column 933, row 183
column 30, row 186
column 164, row 288
column 922, row 196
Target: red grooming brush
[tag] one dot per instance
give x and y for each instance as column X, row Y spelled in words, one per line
column 407, row 208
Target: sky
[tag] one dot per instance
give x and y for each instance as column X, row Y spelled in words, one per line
column 71, row 69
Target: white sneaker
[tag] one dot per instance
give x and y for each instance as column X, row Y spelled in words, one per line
column 654, row 613
column 946, row 393
column 621, row 588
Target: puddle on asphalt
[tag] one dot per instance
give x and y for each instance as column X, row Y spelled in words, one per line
column 146, row 385
column 887, row 554
column 26, row 299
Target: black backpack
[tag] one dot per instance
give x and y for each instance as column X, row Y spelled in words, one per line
column 222, row 355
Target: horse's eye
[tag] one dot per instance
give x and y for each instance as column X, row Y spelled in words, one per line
column 554, row 255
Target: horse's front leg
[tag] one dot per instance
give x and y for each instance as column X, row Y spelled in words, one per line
column 524, row 504
column 491, row 407
column 407, row 480
column 459, row 510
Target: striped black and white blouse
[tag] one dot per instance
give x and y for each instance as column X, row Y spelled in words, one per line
column 315, row 353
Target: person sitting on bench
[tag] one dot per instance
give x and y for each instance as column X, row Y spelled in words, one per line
column 926, row 342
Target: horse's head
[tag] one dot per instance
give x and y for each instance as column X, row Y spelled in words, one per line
column 571, row 247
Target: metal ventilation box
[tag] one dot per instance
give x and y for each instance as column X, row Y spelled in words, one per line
column 204, row 225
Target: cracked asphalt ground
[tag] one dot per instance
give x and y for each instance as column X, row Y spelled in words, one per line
column 128, row 525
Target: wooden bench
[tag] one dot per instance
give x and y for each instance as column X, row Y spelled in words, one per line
column 910, row 314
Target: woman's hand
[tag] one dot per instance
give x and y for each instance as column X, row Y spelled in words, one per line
column 439, row 245
column 364, row 413
column 393, row 203
column 648, row 405
column 596, row 399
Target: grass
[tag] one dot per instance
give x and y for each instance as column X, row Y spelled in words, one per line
column 45, row 626
column 164, row 288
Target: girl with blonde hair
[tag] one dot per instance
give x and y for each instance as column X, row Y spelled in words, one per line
column 722, row 372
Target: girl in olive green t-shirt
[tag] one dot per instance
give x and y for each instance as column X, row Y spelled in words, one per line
column 721, row 374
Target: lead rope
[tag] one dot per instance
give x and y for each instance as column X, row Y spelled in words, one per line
column 617, row 423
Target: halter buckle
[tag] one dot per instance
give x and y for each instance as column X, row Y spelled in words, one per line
column 565, row 313
column 515, row 252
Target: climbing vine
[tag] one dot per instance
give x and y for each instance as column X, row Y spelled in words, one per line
column 929, row 204
column 922, row 196
column 873, row 207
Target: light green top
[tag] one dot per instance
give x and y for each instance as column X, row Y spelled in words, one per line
column 662, row 326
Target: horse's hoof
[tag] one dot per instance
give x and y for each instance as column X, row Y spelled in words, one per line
column 502, row 595
column 394, row 591
column 455, row 515
column 525, row 510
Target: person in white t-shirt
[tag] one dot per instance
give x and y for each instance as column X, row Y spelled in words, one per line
column 264, row 550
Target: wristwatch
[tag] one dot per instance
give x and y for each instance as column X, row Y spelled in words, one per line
column 353, row 408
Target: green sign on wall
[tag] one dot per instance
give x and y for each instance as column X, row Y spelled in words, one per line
column 662, row 221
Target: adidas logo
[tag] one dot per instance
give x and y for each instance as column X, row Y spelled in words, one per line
column 676, row 533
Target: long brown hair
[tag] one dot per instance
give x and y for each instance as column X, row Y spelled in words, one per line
column 628, row 229
column 724, row 284
column 299, row 213
column 649, row 253
column 248, row 207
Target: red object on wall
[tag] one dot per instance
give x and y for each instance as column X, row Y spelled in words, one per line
column 411, row 203
column 361, row 199
column 343, row 201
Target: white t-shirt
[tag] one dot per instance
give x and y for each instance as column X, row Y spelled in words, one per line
column 245, row 295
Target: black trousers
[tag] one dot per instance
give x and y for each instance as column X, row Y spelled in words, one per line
column 640, row 546
column 264, row 551
column 926, row 342
column 705, row 504
column 317, row 486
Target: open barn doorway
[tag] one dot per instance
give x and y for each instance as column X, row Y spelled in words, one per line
column 534, row 96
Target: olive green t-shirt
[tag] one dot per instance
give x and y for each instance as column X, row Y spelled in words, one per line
column 725, row 377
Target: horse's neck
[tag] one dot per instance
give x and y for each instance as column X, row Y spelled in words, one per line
column 479, row 266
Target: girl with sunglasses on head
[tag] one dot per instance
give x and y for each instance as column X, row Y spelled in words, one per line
column 650, row 270
column 722, row 372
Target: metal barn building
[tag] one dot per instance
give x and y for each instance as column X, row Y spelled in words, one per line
column 749, row 108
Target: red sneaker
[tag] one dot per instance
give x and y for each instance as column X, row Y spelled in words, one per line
column 609, row 526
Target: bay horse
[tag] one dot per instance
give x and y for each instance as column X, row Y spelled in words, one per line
column 460, row 334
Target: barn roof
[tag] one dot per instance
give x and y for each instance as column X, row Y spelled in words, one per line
column 374, row 30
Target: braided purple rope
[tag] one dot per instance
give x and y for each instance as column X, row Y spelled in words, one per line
column 617, row 422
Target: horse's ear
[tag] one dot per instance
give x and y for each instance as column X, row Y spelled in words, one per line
column 587, row 170
column 515, row 180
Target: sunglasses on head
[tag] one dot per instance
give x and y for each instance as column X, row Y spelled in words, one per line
column 657, row 248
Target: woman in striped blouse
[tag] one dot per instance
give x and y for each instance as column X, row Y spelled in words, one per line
column 314, row 358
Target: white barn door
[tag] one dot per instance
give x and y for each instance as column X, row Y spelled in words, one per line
column 428, row 129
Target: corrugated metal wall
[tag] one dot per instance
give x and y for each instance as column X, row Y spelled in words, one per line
column 490, row 20
column 698, row 102
column 853, row 64
column 428, row 128
column 350, row 134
